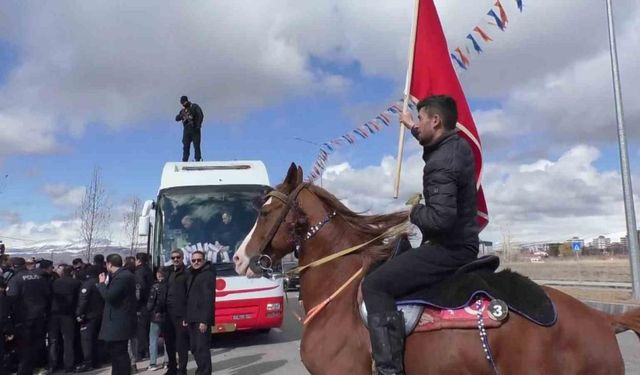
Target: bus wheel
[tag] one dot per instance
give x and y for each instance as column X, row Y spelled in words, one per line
column 264, row 331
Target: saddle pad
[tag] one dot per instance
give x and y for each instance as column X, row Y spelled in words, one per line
column 522, row 295
column 433, row 319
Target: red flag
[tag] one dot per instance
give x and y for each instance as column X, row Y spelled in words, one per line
column 433, row 74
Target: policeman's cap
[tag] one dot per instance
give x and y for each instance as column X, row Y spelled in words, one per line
column 17, row 261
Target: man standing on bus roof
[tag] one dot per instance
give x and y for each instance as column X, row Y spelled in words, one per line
column 191, row 116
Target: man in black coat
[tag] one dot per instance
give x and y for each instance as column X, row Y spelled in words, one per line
column 144, row 280
column 29, row 296
column 119, row 318
column 89, row 315
column 201, row 288
column 447, row 221
column 62, row 322
column 176, row 335
column 191, row 116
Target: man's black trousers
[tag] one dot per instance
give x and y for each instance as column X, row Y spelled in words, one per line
column 200, row 348
column 120, row 361
column 29, row 335
column 176, row 339
column 62, row 327
column 191, row 134
column 89, row 340
column 142, row 335
column 411, row 271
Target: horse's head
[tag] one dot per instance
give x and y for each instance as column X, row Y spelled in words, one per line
column 271, row 236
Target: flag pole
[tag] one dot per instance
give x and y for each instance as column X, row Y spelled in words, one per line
column 407, row 97
column 627, row 191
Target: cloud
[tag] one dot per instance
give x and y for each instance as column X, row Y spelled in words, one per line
column 10, row 217
column 121, row 63
column 539, row 201
column 64, row 196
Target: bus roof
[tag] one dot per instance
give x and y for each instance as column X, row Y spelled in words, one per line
column 214, row 173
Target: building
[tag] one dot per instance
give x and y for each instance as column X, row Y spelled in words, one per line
column 486, row 247
column 624, row 241
column 601, row 243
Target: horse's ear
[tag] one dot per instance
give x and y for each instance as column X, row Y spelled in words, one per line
column 292, row 176
column 300, row 176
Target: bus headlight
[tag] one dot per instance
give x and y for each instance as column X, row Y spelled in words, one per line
column 274, row 307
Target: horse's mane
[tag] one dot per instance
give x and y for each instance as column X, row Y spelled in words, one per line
column 369, row 225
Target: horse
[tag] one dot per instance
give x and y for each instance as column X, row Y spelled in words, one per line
column 303, row 218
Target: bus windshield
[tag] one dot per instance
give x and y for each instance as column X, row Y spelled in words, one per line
column 213, row 219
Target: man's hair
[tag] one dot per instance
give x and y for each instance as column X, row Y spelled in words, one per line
column 178, row 251
column 66, row 269
column 183, row 99
column 76, row 261
column 115, row 260
column 45, row 264
column 98, row 259
column 442, row 105
column 198, row 252
column 142, row 257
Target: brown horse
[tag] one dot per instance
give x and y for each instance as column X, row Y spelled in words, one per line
column 299, row 217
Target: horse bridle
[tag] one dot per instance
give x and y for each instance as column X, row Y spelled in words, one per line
column 262, row 261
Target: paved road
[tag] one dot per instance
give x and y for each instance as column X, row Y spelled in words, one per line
column 278, row 351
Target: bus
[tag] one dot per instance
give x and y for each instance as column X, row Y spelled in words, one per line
column 212, row 206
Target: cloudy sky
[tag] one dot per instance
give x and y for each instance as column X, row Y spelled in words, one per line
column 86, row 84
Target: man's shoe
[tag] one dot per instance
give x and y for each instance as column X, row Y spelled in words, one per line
column 387, row 342
column 83, row 368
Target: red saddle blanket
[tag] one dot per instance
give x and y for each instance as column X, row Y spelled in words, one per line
column 433, row 319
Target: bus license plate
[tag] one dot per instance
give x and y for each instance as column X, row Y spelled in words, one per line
column 221, row 328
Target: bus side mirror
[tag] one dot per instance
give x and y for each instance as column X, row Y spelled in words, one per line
column 143, row 226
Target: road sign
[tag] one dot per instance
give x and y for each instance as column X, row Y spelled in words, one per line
column 576, row 246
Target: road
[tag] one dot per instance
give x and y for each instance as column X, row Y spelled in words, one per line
column 277, row 352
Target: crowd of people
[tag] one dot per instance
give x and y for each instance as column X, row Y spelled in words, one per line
column 77, row 317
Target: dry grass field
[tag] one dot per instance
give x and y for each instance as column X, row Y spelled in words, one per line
column 586, row 269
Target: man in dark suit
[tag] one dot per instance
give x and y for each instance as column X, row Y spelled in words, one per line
column 119, row 318
column 201, row 288
column 191, row 116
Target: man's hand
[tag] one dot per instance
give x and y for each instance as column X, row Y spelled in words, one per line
column 406, row 119
column 102, row 277
column 414, row 199
column 202, row 327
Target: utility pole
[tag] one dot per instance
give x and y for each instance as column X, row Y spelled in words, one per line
column 627, row 191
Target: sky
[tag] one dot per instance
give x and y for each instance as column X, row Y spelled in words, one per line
column 96, row 85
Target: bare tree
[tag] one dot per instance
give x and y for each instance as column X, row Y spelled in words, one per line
column 130, row 223
column 94, row 213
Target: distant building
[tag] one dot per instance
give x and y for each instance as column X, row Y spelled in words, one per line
column 624, row 241
column 601, row 243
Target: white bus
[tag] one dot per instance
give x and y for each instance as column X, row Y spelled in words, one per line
column 211, row 206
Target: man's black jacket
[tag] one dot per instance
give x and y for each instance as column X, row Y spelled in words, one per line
column 448, row 216
column 90, row 302
column 144, row 280
column 191, row 116
column 157, row 304
column 119, row 317
column 201, row 289
column 65, row 296
column 177, row 292
column 29, row 296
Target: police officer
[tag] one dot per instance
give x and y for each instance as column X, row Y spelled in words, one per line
column 4, row 323
column 191, row 116
column 144, row 280
column 62, row 323
column 29, row 298
column 89, row 315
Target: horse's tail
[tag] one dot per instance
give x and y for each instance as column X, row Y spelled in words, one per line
column 629, row 320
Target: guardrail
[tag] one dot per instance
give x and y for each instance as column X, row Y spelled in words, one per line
column 585, row 284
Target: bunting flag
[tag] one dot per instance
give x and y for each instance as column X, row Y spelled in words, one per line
column 474, row 42
column 433, row 74
column 381, row 121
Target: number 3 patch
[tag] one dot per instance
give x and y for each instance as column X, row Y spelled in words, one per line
column 498, row 310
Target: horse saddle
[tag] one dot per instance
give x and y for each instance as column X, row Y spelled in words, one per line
column 475, row 294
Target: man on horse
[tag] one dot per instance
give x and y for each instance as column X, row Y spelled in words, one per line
column 447, row 221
